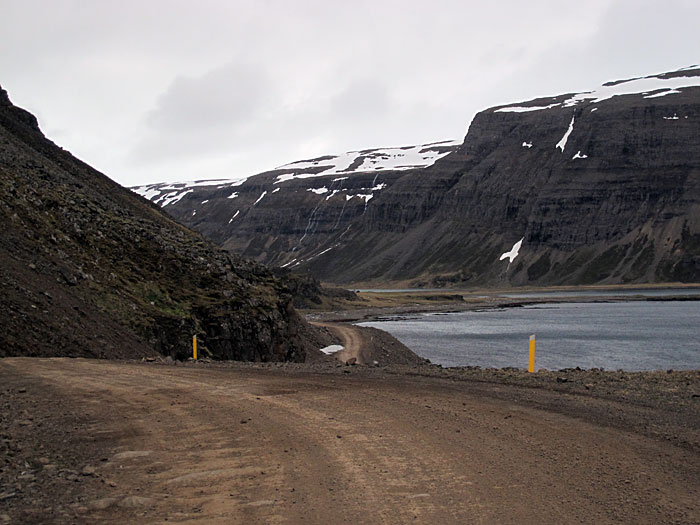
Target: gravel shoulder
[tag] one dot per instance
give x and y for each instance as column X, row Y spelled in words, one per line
column 113, row 442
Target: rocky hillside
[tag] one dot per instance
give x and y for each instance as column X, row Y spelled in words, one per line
column 90, row 269
column 582, row 188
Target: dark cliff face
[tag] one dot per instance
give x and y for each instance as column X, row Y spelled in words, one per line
column 90, row 269
column 602, row 187
column 297, row 213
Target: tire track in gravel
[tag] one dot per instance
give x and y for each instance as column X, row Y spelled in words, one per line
column 247, row 445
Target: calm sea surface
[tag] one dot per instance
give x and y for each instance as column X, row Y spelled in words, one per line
column 624, row 335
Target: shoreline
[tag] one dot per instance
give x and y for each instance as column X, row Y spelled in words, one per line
column 404, row 308
column 480, row 301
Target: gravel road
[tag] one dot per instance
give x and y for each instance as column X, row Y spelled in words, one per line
column 117, row 442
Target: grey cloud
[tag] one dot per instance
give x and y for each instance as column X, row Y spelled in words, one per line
column 225, row 97
column 362, row 98
column 640, row 37
column 209, row 114
column 163, row 88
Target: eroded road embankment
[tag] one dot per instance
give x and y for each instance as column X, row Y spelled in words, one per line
column 267, row 445
column 369, row 346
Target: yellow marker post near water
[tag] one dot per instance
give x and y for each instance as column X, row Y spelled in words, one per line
column 531, row 362
column 194, row 347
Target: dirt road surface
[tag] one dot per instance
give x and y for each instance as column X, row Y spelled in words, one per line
column 351, row 338
column 115, row 442
column 369, row 346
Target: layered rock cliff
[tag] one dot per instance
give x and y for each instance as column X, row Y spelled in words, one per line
column 90, row 269
column 295, row 213
column 601, row 187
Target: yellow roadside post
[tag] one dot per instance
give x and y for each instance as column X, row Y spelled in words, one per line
column 194, row 346
column 531, row 362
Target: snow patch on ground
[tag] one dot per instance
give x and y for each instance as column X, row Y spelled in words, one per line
column 579, row 156
column 527, row 144
column 382, row 159
column 318, row 191
column 234, row 216
column 332, row 349
column 233, row 195
column 275, row 190
column 674, row 117
column 562, row 143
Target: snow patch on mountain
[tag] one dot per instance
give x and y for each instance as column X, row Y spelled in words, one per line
column 382, row 159
column 172, row 198
column 663, row 93
column 562, row 143
column 365, row 196
column 651, row 87
column 147, row 192
column 370, row 160
column 260, row 198
column 525, row 109
column 166, row 193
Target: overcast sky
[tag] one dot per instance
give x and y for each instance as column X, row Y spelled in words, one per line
column 168, row 90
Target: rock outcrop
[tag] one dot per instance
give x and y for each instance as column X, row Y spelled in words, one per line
column 88, row 268
column 602, row 187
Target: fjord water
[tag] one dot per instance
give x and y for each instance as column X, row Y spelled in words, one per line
column 644, row 335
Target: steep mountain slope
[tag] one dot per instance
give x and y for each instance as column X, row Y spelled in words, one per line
column 90, row 269
column 600, row 187
column 297, row 211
